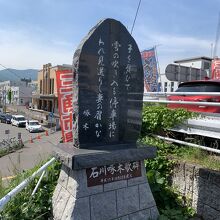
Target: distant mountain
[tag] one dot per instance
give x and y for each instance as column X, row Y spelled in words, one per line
column 13, row 74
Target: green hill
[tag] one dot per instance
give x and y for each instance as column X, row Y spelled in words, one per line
column 14, row 74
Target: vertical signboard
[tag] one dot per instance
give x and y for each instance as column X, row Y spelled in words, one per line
column 150, row 70
column 216, row 68
column 65, row 102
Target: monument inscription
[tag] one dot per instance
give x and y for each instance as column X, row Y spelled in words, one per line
column 108, row 81
column 114, row 172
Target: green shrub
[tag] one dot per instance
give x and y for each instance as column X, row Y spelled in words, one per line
column 158, row 119
column 25, row 207
column 159, row 170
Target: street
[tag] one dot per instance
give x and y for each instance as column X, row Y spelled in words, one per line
column 32, row 153
column 13, row 132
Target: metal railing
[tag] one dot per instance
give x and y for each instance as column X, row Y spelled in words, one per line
column 181, row 93
column 166, row 94
column 24, row 183
column 213, row 150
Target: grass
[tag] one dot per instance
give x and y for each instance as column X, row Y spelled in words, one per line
column 200, row 157
column 23, row 205
column 186, row 153
column 11, row 149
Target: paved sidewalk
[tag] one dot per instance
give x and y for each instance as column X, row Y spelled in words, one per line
column 29, row 156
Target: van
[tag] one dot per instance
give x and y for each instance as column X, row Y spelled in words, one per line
column 18, row 120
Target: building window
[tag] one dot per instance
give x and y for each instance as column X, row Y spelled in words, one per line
column 51, row 86
column 21, row 101
column 40, row 86
column 172, row 87
column 159, row 87
column 206, row 65
column 165, row 86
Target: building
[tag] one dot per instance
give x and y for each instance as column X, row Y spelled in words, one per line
column 20, row 94
column 46, row 96
column 33, row 84
column 203, row 63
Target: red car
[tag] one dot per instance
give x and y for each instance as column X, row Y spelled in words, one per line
column 197, row 86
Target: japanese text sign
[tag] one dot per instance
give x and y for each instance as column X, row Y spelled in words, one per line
column 108, row 75
column 111, row 173
column 65, row 104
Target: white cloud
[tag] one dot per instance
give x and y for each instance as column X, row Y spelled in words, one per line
column 171, row 47
column 28, row 49
column 21, row 50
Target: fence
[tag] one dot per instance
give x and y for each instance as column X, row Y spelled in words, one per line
column 23, row 184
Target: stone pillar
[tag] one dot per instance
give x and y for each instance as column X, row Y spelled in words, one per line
column 103, row 175
column 126, row 199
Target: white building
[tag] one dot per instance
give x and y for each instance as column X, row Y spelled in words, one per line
column 33, row 84
column 20, row 93
column 203, row 63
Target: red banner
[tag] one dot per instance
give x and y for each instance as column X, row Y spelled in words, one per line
column 216, row 68
column 65, row 102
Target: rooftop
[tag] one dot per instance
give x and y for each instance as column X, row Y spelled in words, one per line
column 193, row 59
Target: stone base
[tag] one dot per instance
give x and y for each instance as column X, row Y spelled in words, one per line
column 121, row 200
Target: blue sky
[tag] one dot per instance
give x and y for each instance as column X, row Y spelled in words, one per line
column 33, row 33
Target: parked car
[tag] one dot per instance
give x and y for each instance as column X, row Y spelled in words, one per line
column 33, row 126
column 5, row 118
column 197, row 86
column 2, row 115
column 18, row 120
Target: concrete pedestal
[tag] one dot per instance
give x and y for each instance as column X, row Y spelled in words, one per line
column 125, row 200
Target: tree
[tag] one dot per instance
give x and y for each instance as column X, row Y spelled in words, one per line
column 9, row 96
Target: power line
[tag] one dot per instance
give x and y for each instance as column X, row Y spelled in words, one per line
column 135, row 16
column 10, row 71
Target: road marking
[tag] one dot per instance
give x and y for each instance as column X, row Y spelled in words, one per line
column 8, row 177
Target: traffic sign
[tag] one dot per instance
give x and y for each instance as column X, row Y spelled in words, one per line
column 51, row 115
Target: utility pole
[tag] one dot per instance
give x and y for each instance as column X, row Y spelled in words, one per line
column 4, row 100
column 216, row 38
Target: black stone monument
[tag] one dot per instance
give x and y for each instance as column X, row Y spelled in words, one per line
column 104, row 156
column 108, row 77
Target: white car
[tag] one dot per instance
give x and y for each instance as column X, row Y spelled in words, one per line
column 33, row 126
column 18, row 120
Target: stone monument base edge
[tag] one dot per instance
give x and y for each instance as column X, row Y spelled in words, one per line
column 77, row 159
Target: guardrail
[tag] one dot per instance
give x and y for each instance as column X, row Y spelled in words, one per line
column 165, row 94
column 206, row 126
column 24, row 183
column 181, row 93
column 182, row 102
column 213, row 150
